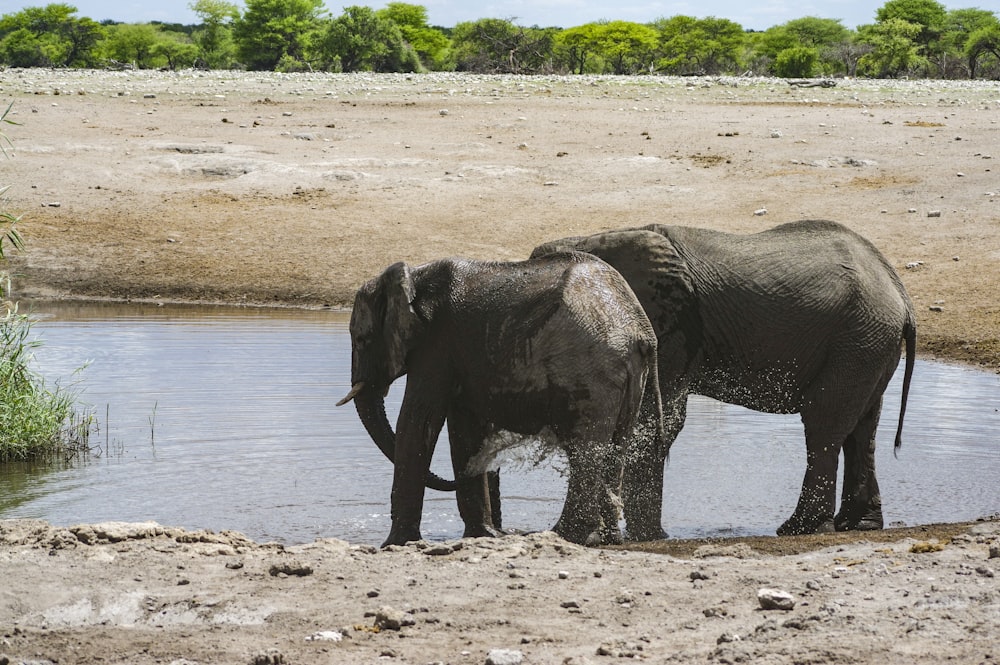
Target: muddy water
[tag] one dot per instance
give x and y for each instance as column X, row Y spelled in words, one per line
column 225, row 419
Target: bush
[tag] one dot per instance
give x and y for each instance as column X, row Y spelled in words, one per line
column 35, row 422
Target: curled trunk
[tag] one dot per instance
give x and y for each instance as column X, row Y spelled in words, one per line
column 371, row 410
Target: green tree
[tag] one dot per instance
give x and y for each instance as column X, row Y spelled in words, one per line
column 361, row 40
column 982, row 50
column 493, row 45
column 628, row 47
column 928, row 15
column 959, row 27
column 131, row 43
column 797, row 62
column 270, row 30
column 823, row 37
column 49, row 36
column 699, row 46
column 176, row 49
column 431, row 44
column 894, row 48
column 578, row 45
column 214, row 38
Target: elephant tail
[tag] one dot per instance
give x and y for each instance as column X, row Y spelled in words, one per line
column 910, row 335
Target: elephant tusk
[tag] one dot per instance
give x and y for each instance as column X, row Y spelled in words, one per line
column 355, row 389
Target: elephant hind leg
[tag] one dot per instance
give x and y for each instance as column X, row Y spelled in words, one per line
column 589, row 516
column 861, row 502
column 818, row 498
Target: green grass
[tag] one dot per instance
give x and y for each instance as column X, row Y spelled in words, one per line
column 36, row 422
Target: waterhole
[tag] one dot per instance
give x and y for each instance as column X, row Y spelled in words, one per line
column 224, row 418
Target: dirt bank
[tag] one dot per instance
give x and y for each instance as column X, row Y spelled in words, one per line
column 141, row 593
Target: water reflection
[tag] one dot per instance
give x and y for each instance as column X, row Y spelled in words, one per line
column 223, row 419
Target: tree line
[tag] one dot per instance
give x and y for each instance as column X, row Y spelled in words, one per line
column 913, row 38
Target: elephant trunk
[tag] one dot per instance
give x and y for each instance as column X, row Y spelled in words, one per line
column 371, row 410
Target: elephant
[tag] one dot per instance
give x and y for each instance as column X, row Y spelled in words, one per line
column 807, row 317
column 556, row 350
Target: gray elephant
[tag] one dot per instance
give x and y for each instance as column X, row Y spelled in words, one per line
column 807, row 318
column 555, row 349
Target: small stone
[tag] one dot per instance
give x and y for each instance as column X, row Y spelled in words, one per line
column 760, row 212
column 985, row 572
column 269, row 657
column 388, row 618
column 290, row 568
column 936, row 308
column 995, row 550
column 775, row 599
column 933, row 213
column 326, row 636
column 563, row 575
column 570, row 604
column 443, row 112
column 698, row 575
column 504, row 657
column 373, row 593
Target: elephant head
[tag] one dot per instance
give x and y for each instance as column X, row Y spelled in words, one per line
column 384, row 328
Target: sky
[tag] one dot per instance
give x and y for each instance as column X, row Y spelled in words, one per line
column 751, row 14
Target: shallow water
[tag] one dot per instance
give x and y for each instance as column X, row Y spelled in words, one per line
column 224, row 418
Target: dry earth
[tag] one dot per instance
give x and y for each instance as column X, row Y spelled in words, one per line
column 291, row 190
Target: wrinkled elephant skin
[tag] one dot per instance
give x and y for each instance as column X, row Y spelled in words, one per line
column 556, row 348
column 807, row 317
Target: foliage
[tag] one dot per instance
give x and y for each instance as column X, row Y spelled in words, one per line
column 49, row 36
column 431, row 45
column 270, row 30
column 362, row 40
column 699, row 46
column 983, row 51
column 796, row 62
column 498, row 46
column 908, row 37
column 804, row 47
column 894, row 49
column 214, row 38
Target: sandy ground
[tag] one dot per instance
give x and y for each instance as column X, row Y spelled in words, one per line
column 292, row 190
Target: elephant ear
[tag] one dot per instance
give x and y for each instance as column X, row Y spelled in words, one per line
column 401, row 325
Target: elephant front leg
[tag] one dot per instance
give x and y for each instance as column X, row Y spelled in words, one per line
column 814, row 512
column 416, row 435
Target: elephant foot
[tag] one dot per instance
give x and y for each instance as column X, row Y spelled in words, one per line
column 797, row 526
column 400, row 535
column 852, row 521
column 482, row 531
column 643, row 535
column 589, row 537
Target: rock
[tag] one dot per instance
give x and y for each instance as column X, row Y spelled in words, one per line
column 933, row 213
column 389, row 618
column 995, row 550
column 326, row 636
column 504, row 657
column 269, row 657
column 775, row 599
column 295, row 568
column 760, row 212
